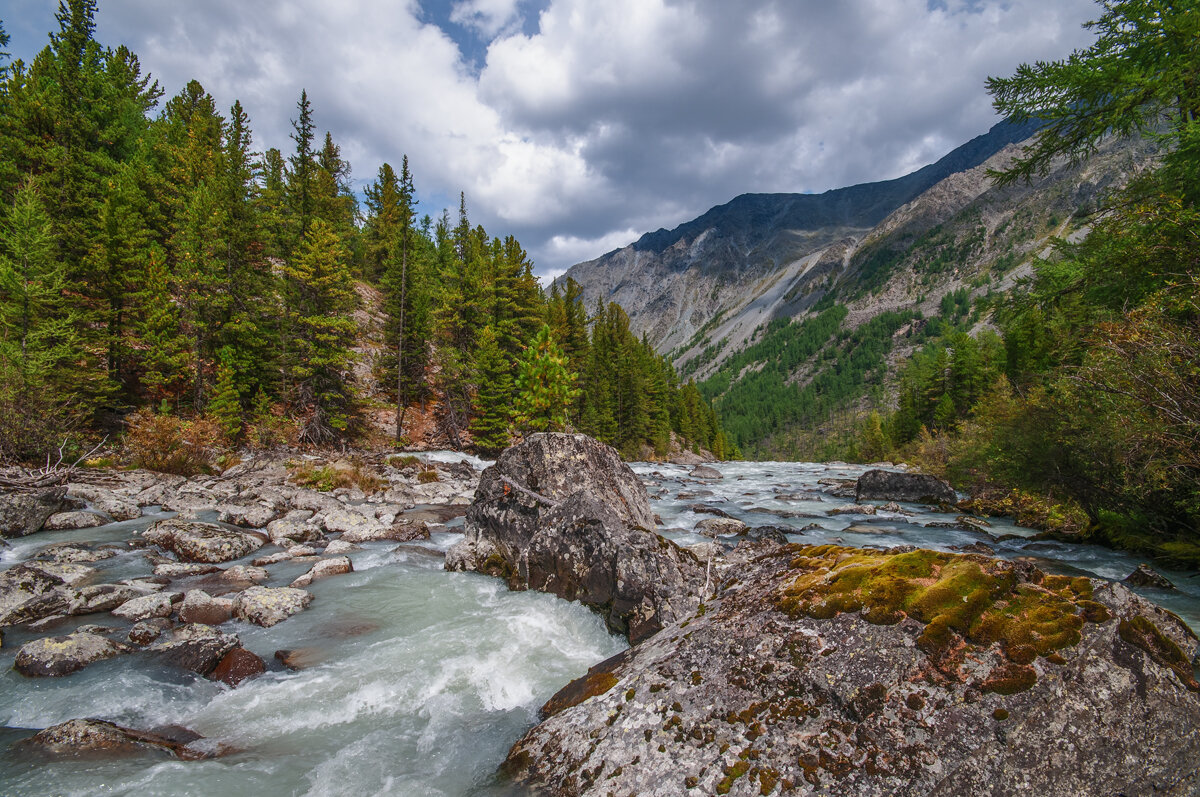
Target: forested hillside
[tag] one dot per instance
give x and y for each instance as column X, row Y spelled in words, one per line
column 152, row 260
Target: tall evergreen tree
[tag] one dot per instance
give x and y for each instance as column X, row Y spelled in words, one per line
column 493, row 397
column 544, row 387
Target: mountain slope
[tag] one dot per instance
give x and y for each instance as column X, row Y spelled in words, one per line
column 741, row 295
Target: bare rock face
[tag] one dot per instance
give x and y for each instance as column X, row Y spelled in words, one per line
column 23, row 513
column 101, row 738
column 268, row 606
column 63, row 655
column 563, row 514
column 193, row 541
column 918, row 488
column 872, row 673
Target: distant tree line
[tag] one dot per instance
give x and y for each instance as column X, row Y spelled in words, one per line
column 153, row 259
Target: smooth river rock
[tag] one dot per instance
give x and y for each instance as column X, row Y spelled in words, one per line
column 24, row 512
column 814, row 671
column 267, row 606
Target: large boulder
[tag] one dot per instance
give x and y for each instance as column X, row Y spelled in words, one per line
column 158, row 604
column 29, row 593
column 887, row 485
column 195, row 647
column 102, row 738
column 563, row 514
column 24, row 512
column 873, row 673
column 115, row 506
column 268, row 606
column 200, row 607
column 63, row 655
column 193, row 541
column 334, row 566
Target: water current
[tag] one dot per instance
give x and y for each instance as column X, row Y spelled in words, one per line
column 417, row 681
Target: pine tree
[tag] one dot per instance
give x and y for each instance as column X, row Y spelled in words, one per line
column 302, row 177
column 320, row 301
column 493, row 397
column 225, row 407
column 544, row 386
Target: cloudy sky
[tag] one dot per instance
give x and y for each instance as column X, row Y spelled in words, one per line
column 577, row 125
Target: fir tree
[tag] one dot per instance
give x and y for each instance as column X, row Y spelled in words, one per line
column 225, row 407
column 493, row 397
column 544, row 386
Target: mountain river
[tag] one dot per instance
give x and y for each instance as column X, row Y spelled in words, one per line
column 417, row 681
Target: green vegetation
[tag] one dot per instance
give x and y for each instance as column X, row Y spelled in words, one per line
column 1089, row 399
column 149, row 258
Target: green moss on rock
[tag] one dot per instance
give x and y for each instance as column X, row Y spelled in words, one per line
column 1142, row 633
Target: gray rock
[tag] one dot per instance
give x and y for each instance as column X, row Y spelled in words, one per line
column 271, row 559
column 323, row 569
column 353, row 526
column 29, row 593
column 146, row 631
column 340, row 547
column 160, row 604
column 254, row 516
column 267, row 606
column 79, row 519
column 75, row 554
column 105, row 501
column 840, row 706
column 705, row 472
column 715, row 526
column 563, row 514
column 195, row 647
column 63, row 655
column 105, row 597
column 200, row 607
column 852, row 509
column 98, row 737
column 201, row 542
column 25, row 512
column 1145, row 576
column 285, row 531
column 888, row 485
column 184, row 570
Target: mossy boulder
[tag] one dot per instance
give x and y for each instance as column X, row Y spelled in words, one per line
column 830, row 670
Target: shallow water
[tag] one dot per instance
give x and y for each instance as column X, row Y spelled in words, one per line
column 419, row 680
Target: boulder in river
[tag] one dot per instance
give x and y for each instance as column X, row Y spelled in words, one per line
column 106, row 501
column 196, row 647
column 200, row 607
column 705, row 472
column 716, row 526
column 562, row 513
column 63, row 655
column 1146, row 576
column 94, row 737
column 77, row 519
column 29, row 593
column 871, row 673
column 193, row 541
column 919, row 488
column 23, row 512
column 238, row 665
column 334, row 566
column 158, row 604
column 267, row 606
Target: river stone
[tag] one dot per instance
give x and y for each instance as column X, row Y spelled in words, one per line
column 833, row 704
column 353, row 526
column 716, row 526
column 323, row 569
column 254, row 516
column 245, row 573
column 200, row 607
column 705, row 472
column 267, row 606
column 93, row 737
column 146, row 631
column 160, row 604
column 105, row 597
column 201, row 542
column 63, row 655
column 29, row 593
column 74, row 553
column 24, row 512
column 340, row 547
column 106, row 501
column 238, row 665
column 286, row 531
column 69, row 572
column 852, row 509
column 196, row 647
column 79, row 519
column 184, row 569
column 918, row 488
column 1145, row 576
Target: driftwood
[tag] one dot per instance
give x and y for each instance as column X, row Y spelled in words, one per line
column 51, row 474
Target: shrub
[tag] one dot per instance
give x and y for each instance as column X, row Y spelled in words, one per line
column 169, row 444
column 333, row 476
column 427, row 476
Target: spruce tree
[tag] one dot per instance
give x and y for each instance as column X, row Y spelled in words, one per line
column 225, row 407
column 493, row 397
column 544, row 387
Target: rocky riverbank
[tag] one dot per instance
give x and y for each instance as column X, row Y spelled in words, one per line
column 824, row 669
column 216, row 553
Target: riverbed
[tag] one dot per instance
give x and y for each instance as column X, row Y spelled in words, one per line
column 416, row 681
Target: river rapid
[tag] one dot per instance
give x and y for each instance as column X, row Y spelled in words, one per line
column 417, row 681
